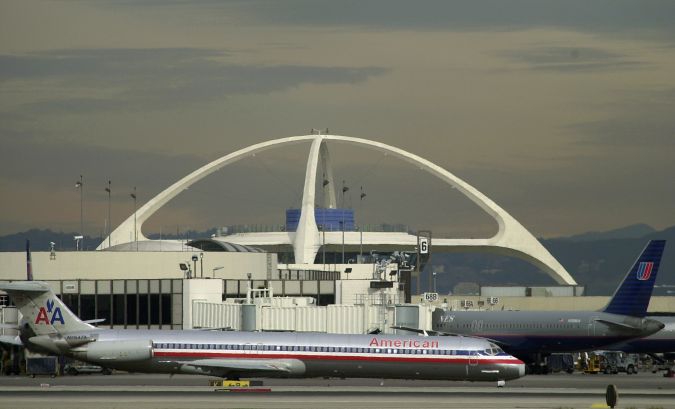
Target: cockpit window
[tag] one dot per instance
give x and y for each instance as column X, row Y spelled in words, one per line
column 493, row 350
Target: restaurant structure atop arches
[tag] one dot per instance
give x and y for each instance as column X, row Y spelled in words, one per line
column 511, row 239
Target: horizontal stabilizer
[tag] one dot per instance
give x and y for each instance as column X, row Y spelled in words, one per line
column 25, row 286
column 618, row 324
column 11, row 340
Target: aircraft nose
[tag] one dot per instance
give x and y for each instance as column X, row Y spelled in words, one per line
column 515, row 370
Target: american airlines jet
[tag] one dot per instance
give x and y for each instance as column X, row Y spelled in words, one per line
column 49, row 326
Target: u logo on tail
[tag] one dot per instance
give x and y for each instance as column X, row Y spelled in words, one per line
column 645, row 270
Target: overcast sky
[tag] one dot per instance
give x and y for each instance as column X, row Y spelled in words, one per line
column 561, row 112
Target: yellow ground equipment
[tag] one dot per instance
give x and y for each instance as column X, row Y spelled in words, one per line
column 594, row 365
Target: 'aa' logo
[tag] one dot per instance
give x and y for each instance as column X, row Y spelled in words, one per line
column 644, row 270
column 43, row 314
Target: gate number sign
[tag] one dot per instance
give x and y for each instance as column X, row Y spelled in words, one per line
column 424, row 245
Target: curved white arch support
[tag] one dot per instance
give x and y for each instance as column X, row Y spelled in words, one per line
column 306, row 240
column 511, row 238
column 123, row 231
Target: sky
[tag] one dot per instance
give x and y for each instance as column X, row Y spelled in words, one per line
column 562, row 112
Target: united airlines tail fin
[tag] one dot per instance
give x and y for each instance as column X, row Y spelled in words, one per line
column 42, row 310
column 633, row 295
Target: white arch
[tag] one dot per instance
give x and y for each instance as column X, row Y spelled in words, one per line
column 306, row 240
column 122, row 233
column 511, row 238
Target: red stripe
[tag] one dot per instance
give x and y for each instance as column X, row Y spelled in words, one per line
column 338, row 357
column 648, row 270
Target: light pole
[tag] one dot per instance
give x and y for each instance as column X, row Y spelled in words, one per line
column 342, row 224
column 363, row 196
column 345, row 188
column 194, row 263
column 133, row 195
column 80, row 186
column 108, row 189
column 323, row 244
column 434, row 273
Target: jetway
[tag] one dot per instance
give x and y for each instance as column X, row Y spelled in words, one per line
column 290, row 314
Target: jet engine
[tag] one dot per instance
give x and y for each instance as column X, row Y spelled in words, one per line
column 118, row 351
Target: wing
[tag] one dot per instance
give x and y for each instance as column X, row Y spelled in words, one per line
column 241, row 367
column 426, row 333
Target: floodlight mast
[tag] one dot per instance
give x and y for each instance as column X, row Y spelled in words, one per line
column 80, row 186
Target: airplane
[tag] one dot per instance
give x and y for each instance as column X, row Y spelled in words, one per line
column 49, row 326
column 533, row 335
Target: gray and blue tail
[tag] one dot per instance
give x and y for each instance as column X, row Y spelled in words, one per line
column 633, row 295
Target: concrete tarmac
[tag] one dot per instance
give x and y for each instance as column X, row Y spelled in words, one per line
column 135, row 391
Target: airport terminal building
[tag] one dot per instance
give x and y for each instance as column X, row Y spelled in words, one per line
column 319, row 273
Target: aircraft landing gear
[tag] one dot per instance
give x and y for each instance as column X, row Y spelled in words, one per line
column 539, row 365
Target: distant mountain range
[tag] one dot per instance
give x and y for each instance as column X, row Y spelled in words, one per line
column 596, row 260
column 634, row 231
column 41, row 239
column 598, row 264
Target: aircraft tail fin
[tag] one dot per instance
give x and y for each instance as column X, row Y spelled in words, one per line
column 29, row 263
column 633, row 295
column 42, row 310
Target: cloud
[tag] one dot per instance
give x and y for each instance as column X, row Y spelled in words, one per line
column 628, row 132
column 572, row 59
column 45, row 163
column 618, row 16
column 110, row 79
column 645, row 120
